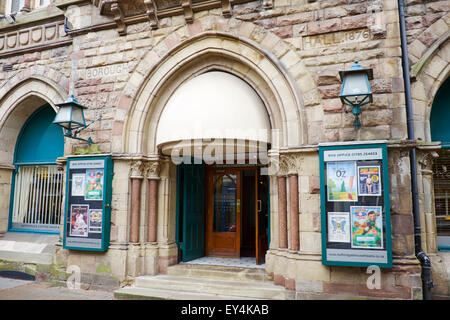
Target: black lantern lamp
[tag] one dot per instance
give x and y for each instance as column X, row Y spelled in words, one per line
column 355, row 91
column 70, row 116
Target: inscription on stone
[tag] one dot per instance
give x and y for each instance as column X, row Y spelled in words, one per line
column 106, row 71
column 335, row 38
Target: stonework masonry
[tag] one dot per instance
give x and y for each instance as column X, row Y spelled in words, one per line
column 124, row 66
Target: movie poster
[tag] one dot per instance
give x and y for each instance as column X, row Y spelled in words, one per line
column 78, row 184
column 338, row 227
column 79, row 220
column 341, row 182
column 367, row 227
column 94, row 184
column 369, row 181
column 95, row 221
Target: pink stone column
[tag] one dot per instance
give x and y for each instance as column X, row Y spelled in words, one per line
column 293, row 206
column 135, row 208
column 152, row 208
column 282, row 213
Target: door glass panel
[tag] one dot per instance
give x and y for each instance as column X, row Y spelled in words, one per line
column 224, row 203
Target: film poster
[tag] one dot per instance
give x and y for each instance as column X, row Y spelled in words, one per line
column 367, row 227
column 79, row 220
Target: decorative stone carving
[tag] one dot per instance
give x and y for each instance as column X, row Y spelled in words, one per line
column 226, row 8
column 116, row 9
column 425, row 161
column 136, row 170
column 187, row 9
column 152, row 170
column 288, row 165
column 152, row 13
column 33, row 39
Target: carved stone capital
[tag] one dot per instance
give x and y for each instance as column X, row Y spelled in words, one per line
column 288, row 165
column 137, row 170
column 425, row 161
column 152, row 170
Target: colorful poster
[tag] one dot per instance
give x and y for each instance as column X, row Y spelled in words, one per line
column 341, row 184
column 338, row 227
column 78, row 184
column 367, row 227
column 94, row 184
column 95, row 221
column 369, row 181
column 79, row 220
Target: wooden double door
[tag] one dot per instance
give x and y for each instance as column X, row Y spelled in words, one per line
column 236, row 213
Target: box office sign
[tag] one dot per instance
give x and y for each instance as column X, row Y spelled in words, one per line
column 355, row 212
column 88, row 197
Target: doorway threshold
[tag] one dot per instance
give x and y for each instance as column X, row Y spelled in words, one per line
column 244, row 262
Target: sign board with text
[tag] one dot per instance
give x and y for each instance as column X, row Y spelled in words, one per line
column 355, row 215
column 88, row 203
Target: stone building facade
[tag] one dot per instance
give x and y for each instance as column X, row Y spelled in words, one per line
column 125, row 59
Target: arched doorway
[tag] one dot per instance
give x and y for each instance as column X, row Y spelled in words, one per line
column 36, row 195
column 440, row 131
column 214, row 126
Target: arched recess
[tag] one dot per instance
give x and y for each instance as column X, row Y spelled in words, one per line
column 18, row 104
column 206, row 52
column 435, row 69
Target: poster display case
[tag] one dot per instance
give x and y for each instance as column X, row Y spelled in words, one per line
column 355, row 215
column 87, row 220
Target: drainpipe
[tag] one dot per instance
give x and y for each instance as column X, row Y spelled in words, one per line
column 425, row 262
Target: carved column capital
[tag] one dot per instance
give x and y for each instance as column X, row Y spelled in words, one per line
column 137, row 170
column 288, row 165
column 152, row 170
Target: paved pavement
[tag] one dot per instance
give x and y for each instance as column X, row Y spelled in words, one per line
column 12, row 289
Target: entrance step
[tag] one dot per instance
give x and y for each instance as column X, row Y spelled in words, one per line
column 181, row 288
column 218, row 272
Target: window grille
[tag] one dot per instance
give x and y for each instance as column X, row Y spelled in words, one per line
column 38, row 198
column 441, row 177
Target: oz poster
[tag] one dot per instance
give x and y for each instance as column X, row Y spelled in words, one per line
column 79, row 220
column 369, row 181
column 367, row 227
column 94, row 184
column 341, row 182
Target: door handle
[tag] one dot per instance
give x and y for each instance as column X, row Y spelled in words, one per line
column 259, row 205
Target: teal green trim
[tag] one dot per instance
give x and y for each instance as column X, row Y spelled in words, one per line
column 178, row 207
column 386, row 206
column 440, row 114
column 40, row 141
column 269, row 213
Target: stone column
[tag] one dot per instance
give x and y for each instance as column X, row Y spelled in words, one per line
column 136, row 183
column 293, row 212
column 153, row 181
column 282, row 213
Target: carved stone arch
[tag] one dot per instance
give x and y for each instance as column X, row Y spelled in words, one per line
column 23, row 97
column 155, row 78
column 427, row 82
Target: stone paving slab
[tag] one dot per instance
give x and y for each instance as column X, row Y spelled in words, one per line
column 31, row 290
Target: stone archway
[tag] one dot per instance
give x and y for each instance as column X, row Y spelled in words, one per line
column 19, row 98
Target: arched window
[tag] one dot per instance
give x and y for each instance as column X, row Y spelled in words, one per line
column 37, row 184
column 440, row 131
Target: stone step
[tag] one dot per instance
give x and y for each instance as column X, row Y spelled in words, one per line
column 136, row 293
column 243, row 289
column 218, row 272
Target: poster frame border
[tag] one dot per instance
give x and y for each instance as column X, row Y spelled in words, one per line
column 106, row 202
column 323, row 198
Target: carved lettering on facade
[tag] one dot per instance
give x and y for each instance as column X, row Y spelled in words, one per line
column 106, row 71
column 335, row 38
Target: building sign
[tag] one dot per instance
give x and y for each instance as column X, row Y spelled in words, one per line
column 335, row 38
column 106, row 71
column 88, row 198
column 355, row 206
